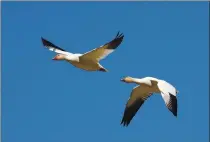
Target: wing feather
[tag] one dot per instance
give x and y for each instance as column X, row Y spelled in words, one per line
column 100, row 53
column 171, row 102
column 168, row 93
column 166, row 87
column 138, row 96
column 53, row 47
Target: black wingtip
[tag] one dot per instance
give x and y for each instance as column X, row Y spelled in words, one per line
column 119, row 36
column 124, row 123
column 175, row 114
column 49, row 44
column 174, row 104
column 44, row 41
column 117, row 33
column 42, row 38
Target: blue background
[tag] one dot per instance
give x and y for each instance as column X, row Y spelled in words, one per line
column 44, row 100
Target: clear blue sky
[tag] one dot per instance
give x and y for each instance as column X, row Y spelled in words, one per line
column 48, row 101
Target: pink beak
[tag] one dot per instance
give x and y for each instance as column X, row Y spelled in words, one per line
column 54, row 58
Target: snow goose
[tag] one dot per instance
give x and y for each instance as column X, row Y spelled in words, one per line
column 90, row 60
column 146, row 87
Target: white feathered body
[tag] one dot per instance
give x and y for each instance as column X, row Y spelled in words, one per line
column 83, row 63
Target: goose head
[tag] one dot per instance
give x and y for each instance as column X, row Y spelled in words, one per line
column 127, row 79
column 59, row 57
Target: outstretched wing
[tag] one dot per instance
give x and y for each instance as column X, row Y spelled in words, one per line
column 53, row 47
column 168, row 93
column 100, row 53
column 138, row 96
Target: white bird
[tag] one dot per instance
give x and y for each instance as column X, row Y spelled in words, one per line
column 146, row 87
column 88, row 61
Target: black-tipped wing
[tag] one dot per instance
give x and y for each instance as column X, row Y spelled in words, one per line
column 115, row 42
column 171, row 102
column 138, row 96
column 104, row 50
column 168, row 93
column 53, row 47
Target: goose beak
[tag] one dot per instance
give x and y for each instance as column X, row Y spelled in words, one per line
column 122, row 80
column 54, row 58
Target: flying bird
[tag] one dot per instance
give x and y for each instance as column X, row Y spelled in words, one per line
column 145, row 88
column 88, row 61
